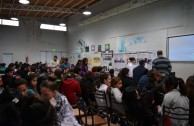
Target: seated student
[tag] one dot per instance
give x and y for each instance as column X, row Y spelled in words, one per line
column 63, row 108
column 126, row 80
column 190, row 94
column 21, row 85
column 138, row 112
column 37, row 112
column 105, row 80
column 116, row 85
column 32, row 83
column 8, row 78
column 175, row 97
column 71, row 88
column 9, row 111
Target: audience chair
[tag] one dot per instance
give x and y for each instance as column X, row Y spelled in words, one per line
column 89, row 118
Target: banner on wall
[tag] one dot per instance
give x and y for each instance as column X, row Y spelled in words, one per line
column 107, row 60
column 96, row 60
column 120, row 61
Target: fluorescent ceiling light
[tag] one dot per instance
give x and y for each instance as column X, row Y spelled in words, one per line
column 24, row 1
column 87, row 12
column 10, row 22
column 53, row 27
column 0, row 21
column 62, row 24
column 14, row 18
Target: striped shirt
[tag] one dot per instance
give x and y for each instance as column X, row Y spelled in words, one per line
column 162, row 64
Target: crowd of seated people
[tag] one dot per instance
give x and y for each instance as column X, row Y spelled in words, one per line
column 36, row 95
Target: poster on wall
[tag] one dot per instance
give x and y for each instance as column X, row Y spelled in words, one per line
column 87, row 48
column 120, row 45
column 107, row 60
column 99, row 48
column 92, row 47
column 107, row 47
column 120, row 61
column 96, row 60
column 147, row 56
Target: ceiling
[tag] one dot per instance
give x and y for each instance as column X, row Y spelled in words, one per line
column 44, row 8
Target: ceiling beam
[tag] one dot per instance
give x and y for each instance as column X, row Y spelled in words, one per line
column 73, row 7
column 63, row 7
column 39, row 8
column 79, row 7
column 44, row 5
column 0, row 6
column 53, row 6
column 11, row 8
column 33, row 6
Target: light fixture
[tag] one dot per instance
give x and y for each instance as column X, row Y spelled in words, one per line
column 24, row 1
column 14, row 18
column 87, row 11
column 62, row 24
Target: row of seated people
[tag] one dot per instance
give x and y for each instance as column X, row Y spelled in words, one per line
column 87, row 84
column 144, row 105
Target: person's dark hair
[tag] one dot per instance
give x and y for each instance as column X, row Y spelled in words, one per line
column 123, row 72
column 114, row 81
column 78, row 63
column 19, row 81
column 173, row 82
column 29, row 78
column 142, row 62
column 94, row 69
column 130, row 100
column 159, row 52
column 9, row 69
column 43, row 70
column 152, row 76
column 190, row 86
column 111, row 72
column 99, row 68
column 53, row 86
column 37, row 112
column 66, row 60
column 58, row 73
column 76, row 70
column 11, row 65
column 100, row 78
column 131, row 59
column 84, row 61
column 33, row 69
column 55, row 56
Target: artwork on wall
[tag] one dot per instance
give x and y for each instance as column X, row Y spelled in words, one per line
column 87, row 48
column 93, row 48
column 99, row 48
column 107, row 47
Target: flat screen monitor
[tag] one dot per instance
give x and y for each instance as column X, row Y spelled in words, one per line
column 181, row 48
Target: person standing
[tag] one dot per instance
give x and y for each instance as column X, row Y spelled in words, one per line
column 131, row 65
column 54, row 63
column 162, row 64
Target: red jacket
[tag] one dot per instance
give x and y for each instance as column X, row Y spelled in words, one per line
column 71, row 89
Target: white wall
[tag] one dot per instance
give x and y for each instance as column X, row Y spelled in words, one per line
column 164, row 18
column 28, row 39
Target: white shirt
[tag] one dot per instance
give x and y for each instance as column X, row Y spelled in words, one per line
column 131, row 67
column 54, row 63
column 117, row 94
column 103, row 87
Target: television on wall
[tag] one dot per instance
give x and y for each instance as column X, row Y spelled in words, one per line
column 181, row 48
